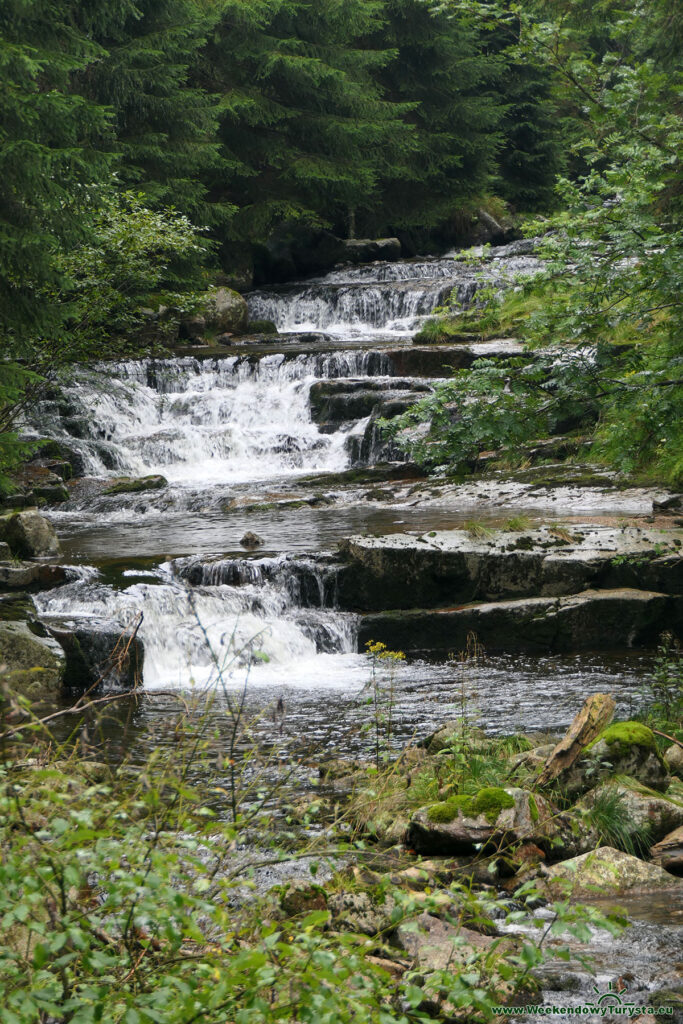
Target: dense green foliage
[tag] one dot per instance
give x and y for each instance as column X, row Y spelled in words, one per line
column 604, row 317
column 256, row 118
column 127, row 897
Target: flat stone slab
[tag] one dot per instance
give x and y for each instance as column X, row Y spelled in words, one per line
column 592, row 620
column 448, row 566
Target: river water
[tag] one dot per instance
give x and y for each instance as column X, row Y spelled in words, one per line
column 236, row 438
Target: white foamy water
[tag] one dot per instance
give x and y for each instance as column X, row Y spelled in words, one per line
column 240, row 420
column 216, row 635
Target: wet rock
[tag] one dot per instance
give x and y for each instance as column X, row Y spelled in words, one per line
column 35, row 665
column 338, row 401
column 16, row 607
column 645, row 808
column 591, row 620
column 606, row 870
column 30, row 576
column 251, row 540
column 494, row 816
column 451, row 567
column 436, row 945
column 365, row 250
column 18, row 575
column 673, row 758
column 668, row 852
column 226, row 310
column 52, row 494
column 99, row 652
column 624, row 748
column 670, row 999
column 262, row 327
column 29, row 534
column 133, row 485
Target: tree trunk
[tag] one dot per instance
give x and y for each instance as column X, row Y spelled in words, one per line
column 596, row 713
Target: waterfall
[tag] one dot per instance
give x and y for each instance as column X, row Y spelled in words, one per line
column 231, row 434
column 208, row 635
column 383, row 299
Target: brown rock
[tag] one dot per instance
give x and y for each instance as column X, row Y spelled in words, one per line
column 668, row 852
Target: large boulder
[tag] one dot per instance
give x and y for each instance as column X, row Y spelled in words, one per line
column 226, row 311
column 436, row 945
column 34, row 665
column 623, row 748
column 606, row 871
column 99, row 652
column 668, row 852
column 493, row 816
column 29, row 534
column 643, row 808
column 365, row 250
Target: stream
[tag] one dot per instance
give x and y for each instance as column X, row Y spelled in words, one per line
column 235, row 436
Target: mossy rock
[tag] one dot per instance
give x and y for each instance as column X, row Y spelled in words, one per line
column 622, row 749
column 464, row 823
column 266, row 327
column 624, row 735
column 132, row 485
column 35, row 665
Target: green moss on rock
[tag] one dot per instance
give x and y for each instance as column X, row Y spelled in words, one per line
column 489, row 801
column 447, row 810
column 626, row 734
column 133, row 485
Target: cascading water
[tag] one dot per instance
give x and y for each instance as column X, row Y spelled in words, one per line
column 198, row 423
column 383, row 299
column 224, row 431
column 214, row 633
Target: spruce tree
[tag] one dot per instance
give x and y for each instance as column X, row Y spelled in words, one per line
column 441, row 68
column 530, row 157
column 163, row 119
column 305, row 130
column 51, row 150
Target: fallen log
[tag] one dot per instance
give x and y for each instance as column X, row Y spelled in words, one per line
column 597, row 712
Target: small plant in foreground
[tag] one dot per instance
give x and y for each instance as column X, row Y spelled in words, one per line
column 610, row 818
column 663, row 691
column 382, row 696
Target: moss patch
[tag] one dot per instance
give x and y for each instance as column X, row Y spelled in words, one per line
column 130, row 485
column 489, row 802
column 623, row 735
column 448, row 810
